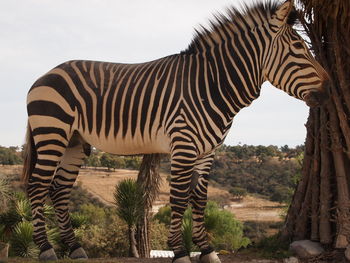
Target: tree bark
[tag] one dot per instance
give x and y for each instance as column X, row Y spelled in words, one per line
column 325, row 184
column 149, row 179
column 133, row 252
column 320, row 209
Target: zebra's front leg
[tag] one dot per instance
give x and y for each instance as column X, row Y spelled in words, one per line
column 199, row 199
column 182, row 163
column 61, row 187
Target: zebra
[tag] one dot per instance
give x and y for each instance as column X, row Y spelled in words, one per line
column 182, row 105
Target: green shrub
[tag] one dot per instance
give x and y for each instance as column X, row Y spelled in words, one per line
column 21, row 242
column 109, row 240
column 225, row 232
column 159, row 233
column 163, row 215
column 273, row 247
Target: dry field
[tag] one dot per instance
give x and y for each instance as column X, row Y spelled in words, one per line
column 101, row 184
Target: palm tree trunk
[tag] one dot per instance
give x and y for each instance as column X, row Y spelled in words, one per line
column 133, row 252
column 149, row 180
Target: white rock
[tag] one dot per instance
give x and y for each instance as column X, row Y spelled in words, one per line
column 306, row 248
column 347, row 253
column 4, row 250
column 291, row 260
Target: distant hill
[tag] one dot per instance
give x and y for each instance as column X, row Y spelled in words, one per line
column 269, row 171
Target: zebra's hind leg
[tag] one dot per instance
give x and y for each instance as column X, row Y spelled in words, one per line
column 49, row 148
column 60, row 191
column 182, row 162
column 198, row 201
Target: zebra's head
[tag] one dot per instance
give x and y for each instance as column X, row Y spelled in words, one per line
column 289, row 65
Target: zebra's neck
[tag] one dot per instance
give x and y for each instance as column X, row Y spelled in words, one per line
column 232, row 76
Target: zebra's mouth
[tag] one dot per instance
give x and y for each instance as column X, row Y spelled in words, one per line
column 315, row 98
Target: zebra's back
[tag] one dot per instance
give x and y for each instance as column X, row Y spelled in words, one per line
column 118, row 108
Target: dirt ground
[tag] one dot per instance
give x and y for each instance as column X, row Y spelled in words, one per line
column 224, row 259
column 101, row 184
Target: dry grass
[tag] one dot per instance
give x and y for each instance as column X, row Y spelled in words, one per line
column 101, row 184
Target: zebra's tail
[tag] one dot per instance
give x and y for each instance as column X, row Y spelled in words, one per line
column 30, row 156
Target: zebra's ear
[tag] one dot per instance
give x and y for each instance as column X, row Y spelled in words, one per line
column 280, row 17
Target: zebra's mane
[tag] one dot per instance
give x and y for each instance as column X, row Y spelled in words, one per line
column 234, row 20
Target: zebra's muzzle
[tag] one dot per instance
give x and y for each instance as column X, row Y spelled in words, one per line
column 316, row 98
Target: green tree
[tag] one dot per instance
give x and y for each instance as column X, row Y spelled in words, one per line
column 10, row 156
column 107, row 160
column 128, row 199
column 132, row 162
column 238, row 192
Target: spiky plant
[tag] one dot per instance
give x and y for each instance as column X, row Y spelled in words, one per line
column 22, row 244
column 5, row 193
column 187, row 230
column 128, row 199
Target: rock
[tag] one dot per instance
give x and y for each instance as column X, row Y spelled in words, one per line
column 347, row 253
column 306, row 248
column 291, row 260
column 4, row 251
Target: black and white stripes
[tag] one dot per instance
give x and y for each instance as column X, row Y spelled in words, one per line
column 182, row 104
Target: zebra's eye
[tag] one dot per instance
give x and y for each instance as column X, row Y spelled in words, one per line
column 298, row 45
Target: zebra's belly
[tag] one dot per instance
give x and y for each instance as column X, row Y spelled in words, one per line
column 130, row 145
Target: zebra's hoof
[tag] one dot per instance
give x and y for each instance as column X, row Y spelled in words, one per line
column 209, row 258
column 185, row 259
column 48, row 255
column 79, row 253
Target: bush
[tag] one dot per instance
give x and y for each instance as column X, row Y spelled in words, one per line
column 238, row 193
column 106, row 240
column 226, row 231
column 159, row 233
column 223, row 229
column 273, row 247
column 163, row 215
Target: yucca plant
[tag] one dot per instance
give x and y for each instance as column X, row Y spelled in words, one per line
column 22, row 244
column 128, row 199
column 5, row 193
column 187, row 230
column 78, row 220
column 23, row 209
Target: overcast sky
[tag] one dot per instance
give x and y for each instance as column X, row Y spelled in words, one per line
column 37, row 35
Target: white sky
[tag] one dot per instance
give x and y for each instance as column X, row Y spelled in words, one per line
column 37, row 35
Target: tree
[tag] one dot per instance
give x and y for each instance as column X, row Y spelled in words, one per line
column 107, row 160
column 10, row 156
column 128, row 198
column 238, row 192
column 149, row 181
column 321, row 203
